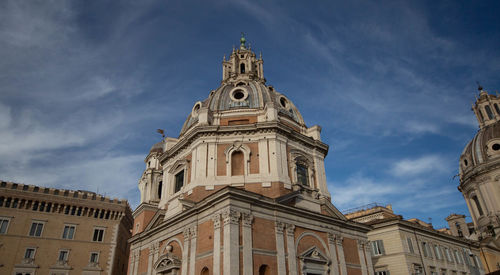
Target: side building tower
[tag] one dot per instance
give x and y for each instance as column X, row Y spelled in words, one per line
column 242, row 190
column 479, row 171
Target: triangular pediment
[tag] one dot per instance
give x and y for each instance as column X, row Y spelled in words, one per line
column 156, row 220
column 313, row 254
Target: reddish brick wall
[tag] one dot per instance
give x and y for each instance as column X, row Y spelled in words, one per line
column 237, row 163
column 276, row 190
column 205, row 237
column 351, row 251
column 143, row 261
column 270, row 261
column 204, row 262
column 353, row 271
column 254, row 157
column 199, row 193
column 221, row 159
column 263, row 236
column 143, row 220
column 238, row 120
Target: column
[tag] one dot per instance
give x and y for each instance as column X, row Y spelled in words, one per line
column 361, row 254
column 185, row 251
column 137, row 254
column 368, row 254
column 247, row 220
column 150, row 259
column 192, row 256
column 216, row 252
column 231, row 219
column 340, row 250
column 290, row 245
column 280, row 247
column 334, row 270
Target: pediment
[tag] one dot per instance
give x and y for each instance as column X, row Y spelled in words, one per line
column 313, row 254
column 167, row 263
column 156, row 220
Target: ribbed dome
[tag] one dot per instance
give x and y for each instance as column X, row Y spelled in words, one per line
column 483, row 148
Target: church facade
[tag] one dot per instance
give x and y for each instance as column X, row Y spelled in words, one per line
column 243, row 190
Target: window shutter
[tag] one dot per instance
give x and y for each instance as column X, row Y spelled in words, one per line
column 381, row 246
column 374, row 250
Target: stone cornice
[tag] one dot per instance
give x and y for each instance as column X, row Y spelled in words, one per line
column 278, row 127
column 230, row 193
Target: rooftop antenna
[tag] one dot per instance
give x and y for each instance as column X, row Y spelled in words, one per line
column 162, row 132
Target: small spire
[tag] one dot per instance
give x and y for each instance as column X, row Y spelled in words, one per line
column 242, row 41
column 479, row 87
column 260, row 55
column 224, row 57
column 234, row 49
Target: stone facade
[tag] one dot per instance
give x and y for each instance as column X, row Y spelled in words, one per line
column 56, row 231
column 413, row 247
column 242, row 190
column 480, row 178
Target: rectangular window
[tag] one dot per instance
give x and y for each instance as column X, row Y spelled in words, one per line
column 29, row 253
column 4, row 224
column 36, row 229
column 457, row 257
column 410, row 245
column 417, row 269
column 68, row 232
column 438, row 252
column 448, row 255
column 63, row 255
column 179, row 181
column 94, row 257
column 378, row 248
column 98, row 235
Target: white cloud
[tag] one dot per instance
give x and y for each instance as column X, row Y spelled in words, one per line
column 426, row 164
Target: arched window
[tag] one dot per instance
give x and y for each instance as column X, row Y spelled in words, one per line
column 478, row 205
column 160, row 186
column 488, row 111
column 480, row 114
column 496, row 108
column 264, row 270
column 179, row 181
column 242, row 68
column 237, row 163
column 302, row 174
column 204, row 271
column 459, row 230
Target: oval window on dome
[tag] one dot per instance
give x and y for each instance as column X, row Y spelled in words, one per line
column 196, row 109
column 495, row 147
column 466, row 162
column 283, row 102
column 239, row 95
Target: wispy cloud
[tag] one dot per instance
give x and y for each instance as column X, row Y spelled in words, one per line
column 423, row 165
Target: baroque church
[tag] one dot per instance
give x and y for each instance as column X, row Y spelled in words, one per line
column 242, row 190
column 479, row 171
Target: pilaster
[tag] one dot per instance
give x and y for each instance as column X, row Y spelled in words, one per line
column 280, row 247
column 137, row 254
column 368, row 254
column 247, row 220
column 361, row 254
column 231, row 219
column 216, row 252
column 290, row 244
column 333, row 252
column 153, row 248
column 193, row 232
column 340, row 249
column 185, row 251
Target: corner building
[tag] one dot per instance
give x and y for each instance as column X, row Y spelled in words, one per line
column 242, row 190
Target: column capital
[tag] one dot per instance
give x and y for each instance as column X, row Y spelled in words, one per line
column 290, row 229
column 193, row 231
column 339, row 239
column 186, row 234
column 137, row 253
column 247, row 219
column 279, row 226
column 216, row 220
column 231, row 217
column 331, row 238
column 153, row 247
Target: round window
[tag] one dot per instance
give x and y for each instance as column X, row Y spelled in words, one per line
column 196, row 108
column 283, row 102
column 466, row 162
column 238, row 95
column 495, row 147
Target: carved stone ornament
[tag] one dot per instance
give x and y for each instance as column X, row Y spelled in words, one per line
column 168, row 264
column 185, row 233
column 339, row 239
column 231, row 217
column 290, row 229
column 280, row 226
column 331, row 238
column 247, row 219
column 216, row 220
column 194, row 231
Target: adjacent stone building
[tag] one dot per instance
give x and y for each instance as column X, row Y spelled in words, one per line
column 479, row 171
column 56, row 231
column 414, row 247
column 242, row 190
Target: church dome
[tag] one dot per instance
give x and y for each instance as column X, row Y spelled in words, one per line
column 243, row 90
column 484, row 148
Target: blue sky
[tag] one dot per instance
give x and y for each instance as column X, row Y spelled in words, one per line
column 85, row 84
